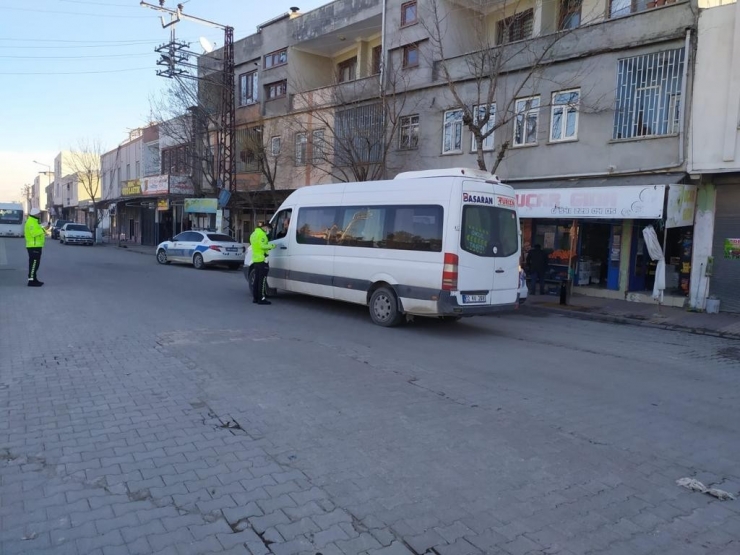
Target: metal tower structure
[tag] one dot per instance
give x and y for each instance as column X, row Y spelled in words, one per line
column 174, row 58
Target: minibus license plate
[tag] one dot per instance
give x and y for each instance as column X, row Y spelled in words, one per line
column 467, row 299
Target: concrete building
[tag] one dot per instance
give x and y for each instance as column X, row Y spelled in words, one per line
column 39, row 194
column 145, row 181
column 588, row 104
column 62, row 167
column 714, row 157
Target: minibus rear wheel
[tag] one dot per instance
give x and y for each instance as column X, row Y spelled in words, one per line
column 384, row 308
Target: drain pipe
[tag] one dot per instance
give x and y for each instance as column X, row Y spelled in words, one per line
column 383, row 51
column 684, row 88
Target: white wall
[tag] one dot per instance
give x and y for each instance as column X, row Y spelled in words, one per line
column 715, row 140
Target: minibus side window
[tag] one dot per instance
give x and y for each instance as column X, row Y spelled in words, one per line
column 317, row 226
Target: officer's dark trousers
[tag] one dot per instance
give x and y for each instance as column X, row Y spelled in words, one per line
column 34, row 261
column 259, row 290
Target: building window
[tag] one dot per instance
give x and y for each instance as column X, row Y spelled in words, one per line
column 619, row 8
column 359, row 135
column 410, row 55
column 479, row 114
column 317, row 146
column 648, row 94
column 408, row 133
column 128, row 171
column 564, row 115
column 347, row 70
column 517, row 27
column 527, row 117
column 276, row 90
column 250, row 149
column 138, row 169
column 175, row 161
column 408, row 13
column 570, row 14
column 248, row 88
column 275, row 146
column 377, row 55
column 275, row 59
column 300, row 149
column 452, row 132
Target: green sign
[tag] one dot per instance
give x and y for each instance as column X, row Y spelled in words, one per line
column 201, row 205
column 732, row 249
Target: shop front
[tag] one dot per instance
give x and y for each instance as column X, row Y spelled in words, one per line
column 725, row 260
column 594, row 237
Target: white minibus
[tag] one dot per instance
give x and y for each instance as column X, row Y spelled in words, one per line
column 11, row 219
column 438, row 243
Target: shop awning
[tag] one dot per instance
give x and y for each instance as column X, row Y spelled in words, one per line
column 631, row 198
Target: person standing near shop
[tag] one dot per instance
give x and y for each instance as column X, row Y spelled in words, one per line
column 260, row 247
column 537, row 265
column 35, row 238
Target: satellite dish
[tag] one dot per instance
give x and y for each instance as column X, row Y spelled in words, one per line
column 206, row 45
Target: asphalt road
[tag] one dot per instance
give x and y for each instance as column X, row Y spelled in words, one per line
column 148, row 408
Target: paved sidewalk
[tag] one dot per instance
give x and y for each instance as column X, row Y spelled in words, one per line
column 725, row 324
column 131, row 247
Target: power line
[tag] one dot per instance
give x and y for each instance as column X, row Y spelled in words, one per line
column 149, row 68
column 106, row 4
column 75, row 41
column 74, row 13
column 57, row 47
column 78, row 57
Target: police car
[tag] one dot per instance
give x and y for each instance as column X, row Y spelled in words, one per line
column 201, row 249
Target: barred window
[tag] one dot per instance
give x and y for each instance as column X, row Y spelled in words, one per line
column 519, row 26
column 649, row 95
column 359, row 135
column 249, row 147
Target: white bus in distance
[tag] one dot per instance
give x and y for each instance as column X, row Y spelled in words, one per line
column 437, row 243
column 11, row 219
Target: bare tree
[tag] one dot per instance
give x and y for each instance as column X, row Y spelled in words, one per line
column 501, row 72
column 187, row 113
column 260, row 150
column 85, row 165
column 347, row 130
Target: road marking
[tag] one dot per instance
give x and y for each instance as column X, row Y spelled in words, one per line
column 3, row 253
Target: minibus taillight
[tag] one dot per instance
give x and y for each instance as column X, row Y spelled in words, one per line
column 449, row 272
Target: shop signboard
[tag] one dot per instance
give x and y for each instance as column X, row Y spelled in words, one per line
column 201, row 205
column 155, row 185
column 681, row 205
column 181, row 185
column 628, row 202
column 163, row 205
column 732, row 249
column 131, row 188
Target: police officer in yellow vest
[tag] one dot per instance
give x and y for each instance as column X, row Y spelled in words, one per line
column 35, row 238
column 260, row 247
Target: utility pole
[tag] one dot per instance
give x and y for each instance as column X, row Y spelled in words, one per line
column 175, row 58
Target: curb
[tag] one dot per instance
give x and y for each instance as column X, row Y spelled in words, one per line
column 610, row 319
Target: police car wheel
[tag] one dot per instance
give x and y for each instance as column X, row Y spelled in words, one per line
column 198, row 262
column 250, row 279
column 162, row 257
column 384, row 308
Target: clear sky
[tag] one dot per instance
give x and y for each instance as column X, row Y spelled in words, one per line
column 85, row 69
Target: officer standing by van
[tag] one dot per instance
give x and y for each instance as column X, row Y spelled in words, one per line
column 260, row 247
column 35, row 238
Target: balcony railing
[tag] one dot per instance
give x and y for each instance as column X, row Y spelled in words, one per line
column 333, row 95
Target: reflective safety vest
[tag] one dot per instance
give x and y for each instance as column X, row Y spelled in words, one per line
column 260, row 245
column 35, row 234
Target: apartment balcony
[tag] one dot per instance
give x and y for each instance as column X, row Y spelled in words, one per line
column 338, row 42
column 642, row 28
column 336, row 95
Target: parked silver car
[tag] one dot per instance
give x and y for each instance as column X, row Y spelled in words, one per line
column 77, row 234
